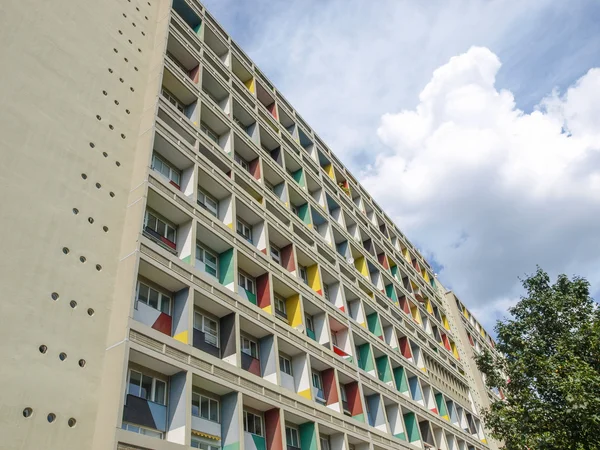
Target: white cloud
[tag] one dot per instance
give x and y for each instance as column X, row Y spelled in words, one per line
column 489, row 190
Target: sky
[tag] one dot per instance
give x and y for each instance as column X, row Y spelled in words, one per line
column 474, row 124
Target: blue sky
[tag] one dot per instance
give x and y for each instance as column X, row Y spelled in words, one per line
column 447, row 111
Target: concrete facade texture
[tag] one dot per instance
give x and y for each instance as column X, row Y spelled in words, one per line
column 190, row 266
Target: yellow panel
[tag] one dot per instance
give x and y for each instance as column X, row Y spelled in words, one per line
column 314, row 278
column 361, row 266
column 329, row 170
column 182, row 337
column 251, row 85
column 268, row 309
column 445, row 322
column 306, row 394
column 429, row 307
column 292, row 305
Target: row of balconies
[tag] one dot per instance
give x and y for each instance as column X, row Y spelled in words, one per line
column 186, row 100
column 222, row 416
column 217, row 200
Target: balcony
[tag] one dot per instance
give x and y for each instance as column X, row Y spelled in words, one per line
column 251, row 364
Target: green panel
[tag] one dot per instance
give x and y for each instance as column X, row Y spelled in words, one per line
column 400, row 436
column 400, row 378
column 308, row 436
column 187, row 259
column 197, row 28
column 298, row 175
column 304, row 213
column 311, row 334
column 412, row 427
column 259, row 442
column 365, row 360
column 391, row 293
column 360, row 417
column 374, row 324
column 383, row 369
column 394, row 270
column 226, row 267
column 232, row 446
column 441, row 404
column 251, row 297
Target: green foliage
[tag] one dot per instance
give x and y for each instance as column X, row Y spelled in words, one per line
column 550, row 372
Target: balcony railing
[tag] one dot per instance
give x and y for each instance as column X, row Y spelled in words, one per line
column 160, row 240
column 200, row 342
column 251, row 364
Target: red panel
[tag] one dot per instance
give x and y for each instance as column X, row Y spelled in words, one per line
column 383, row 260
column 175, row 184
column 342, row 308
column 446, row 342
column 287, row 258
column 263, row 297
column 405, row 347
column 163, row 324
column 273, row 433
column 329, row 386
column 404, row 305
column 255, row 168
column 353, row 395
column 254, row 367
column 339, row 351
column 169, row 243
column 273, row 109
column 194, row 73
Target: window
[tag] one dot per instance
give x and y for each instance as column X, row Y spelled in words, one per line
column 316, row 380
column 196, row 443
column 160, row 226
column 209, row 327
column 244, row 230
column 280, row 308
column 147, row 387
column 241, row 161
column 209, row 132
column 285, row 365
column 334, row 339
column 309, row 323
column 208, row 202
column 324, row 443
column 291, row 437
column 326, row 292
column 141, row 430
column 275, row 253
column 173, row 100
column 343, row 394
column 246, row 282
column 208, row 259
column 303, row 274
column 165, row 169
column 153, row 298
column 249, row 347
column 252, row 423
column 205, row 407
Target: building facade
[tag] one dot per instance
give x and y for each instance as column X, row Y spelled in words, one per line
column 190, row 266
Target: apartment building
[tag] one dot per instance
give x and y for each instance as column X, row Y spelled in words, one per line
column 190, row 266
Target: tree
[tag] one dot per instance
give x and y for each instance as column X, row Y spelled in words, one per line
column 549, row 370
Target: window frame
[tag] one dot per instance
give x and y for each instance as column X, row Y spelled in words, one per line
column 294, row 434
column 241, row 161
column 161, row 297
column 172, row 170
column 303, row 272
column 324, row 439
column 246, row 427
column 205, row 250
column 309, row 323
column 203, row 204
column 131, row 427
column 239, row 222
column 247, row 279
column 216, row 403
column 153, row 391
column 282, row 362
column 170, row 97
column 277, row 299
column 212, row 134
column 317, row 375
column 202, row 327
column 167, row 224
column 273, row 247
column 250, row 342
column 208, row 444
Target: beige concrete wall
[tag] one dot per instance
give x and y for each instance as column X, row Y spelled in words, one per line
column 55, row 66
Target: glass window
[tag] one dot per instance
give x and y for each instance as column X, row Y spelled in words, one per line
column 241, row 161
column 324, row 443
column 205, row 407
column 141, row 430
column 303, row 274
column 252, row 423
column 309, row 323
column 326, row 292
column 153, row 298
column 196, row 443
column 280, row 307
column 161, row 227
column 343, row 393
column 291, row 437
column 316, row 379
column 209, row 132
column 165, row 169
column 285, row 365
column 147, row 387
column 160, row 392
column 208, row 260
column 245, row 282
column 173, row 100
column 249, row 347
column 208, row 202
column 244, row 230
column 275, row 253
